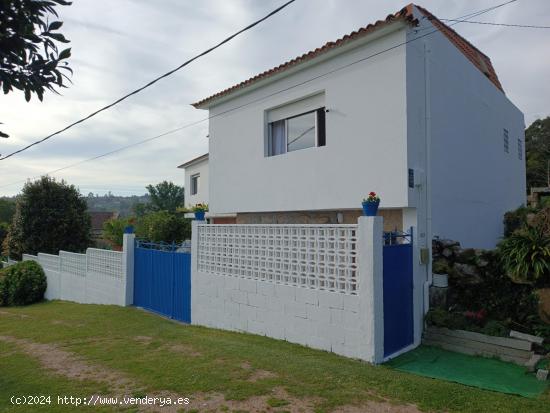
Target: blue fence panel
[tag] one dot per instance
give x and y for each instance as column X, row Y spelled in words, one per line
column 398, row 297
column 182, row 287
column 162, row 280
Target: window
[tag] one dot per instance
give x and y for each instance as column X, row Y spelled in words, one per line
column 195, row 184
column 506, row 142
column 306, row 130
column 520, row 149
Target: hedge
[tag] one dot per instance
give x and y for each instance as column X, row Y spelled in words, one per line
column 21, row 284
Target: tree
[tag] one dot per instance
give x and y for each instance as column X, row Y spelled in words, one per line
column 30, row 58
column 166, row 196
column 537, row 152
column 49, row 216
column 7, row 209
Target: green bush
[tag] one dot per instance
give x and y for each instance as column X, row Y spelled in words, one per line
column 516, row 219
column 21, row 284
column 113, row 229
column 525, row 256
column 164, row 226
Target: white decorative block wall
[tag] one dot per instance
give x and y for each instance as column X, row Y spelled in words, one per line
column 97, row 277
column 307, row 284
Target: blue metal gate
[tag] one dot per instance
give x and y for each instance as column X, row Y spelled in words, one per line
column 398, row 292
column 162, row 279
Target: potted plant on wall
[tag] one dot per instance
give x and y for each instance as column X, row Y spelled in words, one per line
column 370, row 204
column 200, row 210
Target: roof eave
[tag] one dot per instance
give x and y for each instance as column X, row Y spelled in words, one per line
column 389, row 27
column 194, row 161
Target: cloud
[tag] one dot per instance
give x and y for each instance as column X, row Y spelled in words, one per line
column 118, row 46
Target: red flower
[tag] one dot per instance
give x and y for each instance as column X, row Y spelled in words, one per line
column 372, row 194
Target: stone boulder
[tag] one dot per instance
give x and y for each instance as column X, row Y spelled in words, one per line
column 465, row 274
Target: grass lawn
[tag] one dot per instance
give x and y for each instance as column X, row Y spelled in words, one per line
column 61, row 348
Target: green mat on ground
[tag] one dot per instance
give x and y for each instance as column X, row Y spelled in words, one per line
column 485, row 373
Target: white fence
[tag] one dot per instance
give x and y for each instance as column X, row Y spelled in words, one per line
column 309, row 284
column 96, row 277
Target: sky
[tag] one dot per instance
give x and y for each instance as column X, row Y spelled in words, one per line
column 119, row 45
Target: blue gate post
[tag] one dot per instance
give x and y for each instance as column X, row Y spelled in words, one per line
column 128, row 266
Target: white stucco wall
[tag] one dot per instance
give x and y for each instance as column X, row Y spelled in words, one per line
column 365, row 139
column 472, row 181
column 200, row 167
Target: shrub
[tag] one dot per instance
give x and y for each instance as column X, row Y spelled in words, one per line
column 21, row 284
column 113, row 229
column 164, row 226
column 525, row 256
column 517, row 219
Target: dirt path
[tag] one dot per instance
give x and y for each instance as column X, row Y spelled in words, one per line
column 73, row 367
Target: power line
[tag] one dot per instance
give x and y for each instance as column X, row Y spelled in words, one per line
column 527, row 26
column 253, row 101
column 152, row 82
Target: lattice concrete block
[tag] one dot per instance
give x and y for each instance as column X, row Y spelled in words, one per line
column 323, row 257
column 331, row 300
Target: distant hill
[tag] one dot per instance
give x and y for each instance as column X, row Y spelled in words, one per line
column 124, row 205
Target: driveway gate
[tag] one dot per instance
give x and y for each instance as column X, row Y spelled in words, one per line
column 162, row 279
column 398, row 292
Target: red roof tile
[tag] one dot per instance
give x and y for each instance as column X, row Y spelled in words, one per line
column 480, row 60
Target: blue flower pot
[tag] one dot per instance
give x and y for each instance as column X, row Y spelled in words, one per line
column 129, row 229
column 370, row 208
column 199, row 215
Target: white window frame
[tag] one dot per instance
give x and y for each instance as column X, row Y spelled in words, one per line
column 196, row 186
column 315, row 112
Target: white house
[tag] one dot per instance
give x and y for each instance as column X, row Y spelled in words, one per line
column 405, row 107
column 196, row 180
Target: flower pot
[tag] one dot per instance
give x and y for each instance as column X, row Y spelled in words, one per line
column 129, row 229
column 370, row 208
column 199, row 215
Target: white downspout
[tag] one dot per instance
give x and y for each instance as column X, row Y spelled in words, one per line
column 428, row 155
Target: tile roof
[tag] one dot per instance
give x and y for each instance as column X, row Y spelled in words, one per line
column 479, row 59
